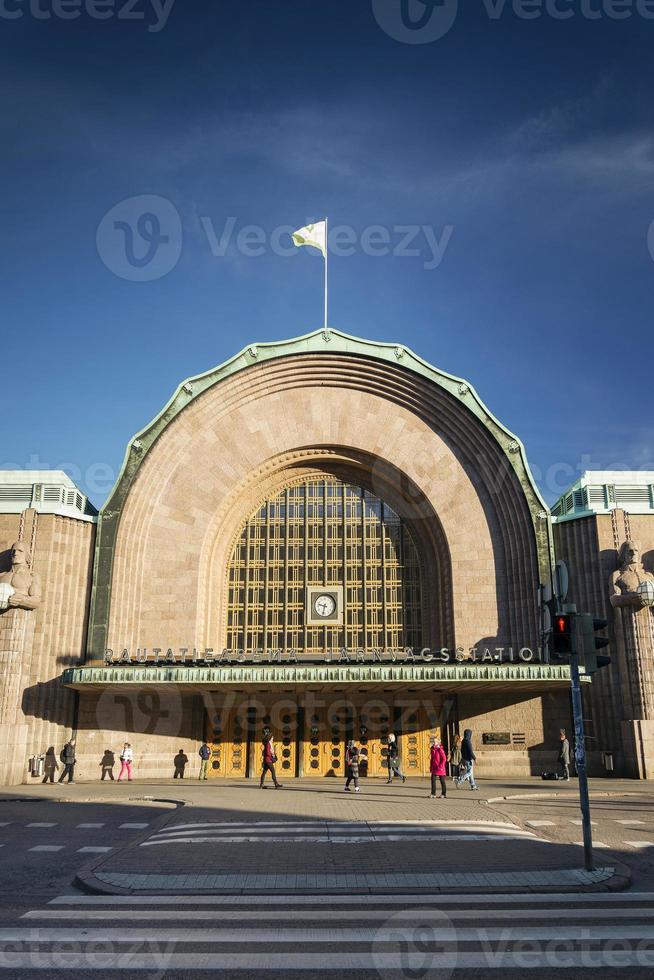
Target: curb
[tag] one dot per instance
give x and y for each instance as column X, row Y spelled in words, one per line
column 551, row 795
column 619, row 881
column 86, row 879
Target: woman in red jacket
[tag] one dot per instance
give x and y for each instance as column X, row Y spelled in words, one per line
column 437, row 767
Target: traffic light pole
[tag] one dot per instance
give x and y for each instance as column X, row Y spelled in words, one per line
column 580, row 744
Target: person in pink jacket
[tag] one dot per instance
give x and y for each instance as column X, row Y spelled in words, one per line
column 437, row 767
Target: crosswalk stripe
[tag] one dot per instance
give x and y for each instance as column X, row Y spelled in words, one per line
column 529, row 898
column 319, row 962
column 133, row 826
column 325, row 840
column 88, row 826
column 630, row 821
column 93, row 850
column 47, row 847
column 358, row 915
column 540, row 823
column 41, row 825
column 441, row 932
column 287, row 824
column 639, row 843
column 427, row 832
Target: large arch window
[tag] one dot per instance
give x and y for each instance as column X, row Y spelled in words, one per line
column 323, row 531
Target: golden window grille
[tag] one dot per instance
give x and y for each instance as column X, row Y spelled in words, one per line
column 323, row 531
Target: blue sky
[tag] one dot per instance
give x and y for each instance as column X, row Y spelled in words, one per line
column 532, row 141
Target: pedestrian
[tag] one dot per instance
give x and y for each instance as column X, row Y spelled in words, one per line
column 564, row 756
column 468, row 759
column 352, row 766
column 268, row 760
column 68, row 758
column 50, row 765
column 455, row 758
column 180, row 761
column 394, row 768
column 107, row 763
column 437, row 767
column 126, row 759
column 205, row 754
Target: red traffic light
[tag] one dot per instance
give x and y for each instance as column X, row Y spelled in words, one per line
column 562, row 636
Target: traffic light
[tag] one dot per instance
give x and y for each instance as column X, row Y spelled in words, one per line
column 592, row 643
column 562, row 627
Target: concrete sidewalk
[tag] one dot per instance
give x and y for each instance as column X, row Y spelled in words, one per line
column 231, row 836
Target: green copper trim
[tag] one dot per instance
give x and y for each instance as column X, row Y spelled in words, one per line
column 318, row 342
column 313, row 674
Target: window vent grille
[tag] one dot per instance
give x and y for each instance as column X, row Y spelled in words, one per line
column 596, row 496
column 52, row 493
column 632, row 495
column 17, row 492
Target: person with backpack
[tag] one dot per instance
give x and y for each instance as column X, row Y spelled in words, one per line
column 268, row 760
column 437, row 767
column 352, row 766
column 394, row 760
column 455, row 758
column 50, row 765
column 126, row 759
column 468, row 759
column 205, row 754
column 67, row 756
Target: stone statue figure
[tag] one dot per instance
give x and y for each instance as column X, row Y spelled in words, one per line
column 26, row 584
column 629, row 576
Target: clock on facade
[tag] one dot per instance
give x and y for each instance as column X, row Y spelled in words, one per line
column 324, row 605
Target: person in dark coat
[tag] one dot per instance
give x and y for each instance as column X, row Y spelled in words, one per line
column 268, row 760
column 352, row 766
column 180, row 761
column 107, row 763
column 468, row 759
column 437, row 767
column 205, row 754
column 68, row 758
column 50, row 765
column 394, row 768
column 564, row 755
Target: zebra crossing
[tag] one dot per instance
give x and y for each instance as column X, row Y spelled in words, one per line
column 334, row 832
column 393, row 935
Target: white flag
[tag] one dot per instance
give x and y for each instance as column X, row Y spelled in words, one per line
column 315, row 235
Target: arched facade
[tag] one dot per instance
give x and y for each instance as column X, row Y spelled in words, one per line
column 326, row 409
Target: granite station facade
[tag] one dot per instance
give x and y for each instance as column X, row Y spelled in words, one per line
column 326, row 538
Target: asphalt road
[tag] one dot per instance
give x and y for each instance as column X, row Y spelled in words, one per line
column 45, row 843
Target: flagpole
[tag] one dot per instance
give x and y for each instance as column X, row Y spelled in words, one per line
column 326, row 254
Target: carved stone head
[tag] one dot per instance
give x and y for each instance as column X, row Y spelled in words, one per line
column 19, row 553
column 630, row 553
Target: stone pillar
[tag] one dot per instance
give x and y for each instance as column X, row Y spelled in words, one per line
column 636, row 637
column 16, row 640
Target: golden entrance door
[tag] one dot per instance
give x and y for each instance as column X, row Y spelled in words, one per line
column 418, row 722
column 374, row 724
column 326, row 732
column 280, row 718
column 227, row 739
